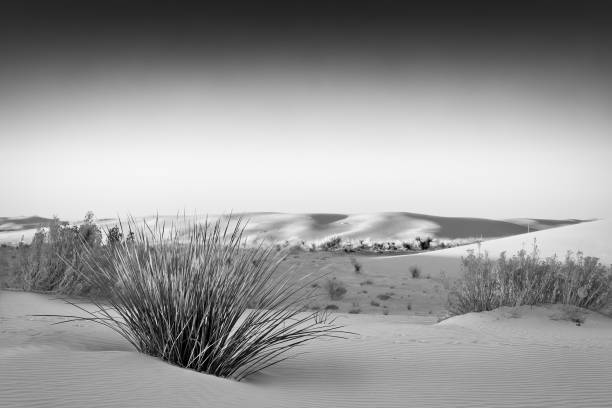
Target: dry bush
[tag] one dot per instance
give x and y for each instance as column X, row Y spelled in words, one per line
column 526, row 279
column 55, row 260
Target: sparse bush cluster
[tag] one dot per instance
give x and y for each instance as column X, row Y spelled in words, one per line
column 55, row 260
column 337, row 243
column 527, row 279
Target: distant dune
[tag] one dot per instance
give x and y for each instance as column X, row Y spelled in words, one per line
column 593, row 238
column 279, row 227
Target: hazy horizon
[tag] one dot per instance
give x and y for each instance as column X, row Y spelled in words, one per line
column 500, row 113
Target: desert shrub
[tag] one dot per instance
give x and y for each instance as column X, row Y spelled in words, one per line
column 385, row 296
column 423, row 244
column 114, row 235
column 415, row 272
column 331, row 307
column 409, row 306
column 356, row 265
column 335, row 288
column 526, row 279
column 367, row 282
column 378, row 247
column 183, row 295
column 374, row 303
column 55, row 259
column 331, row 243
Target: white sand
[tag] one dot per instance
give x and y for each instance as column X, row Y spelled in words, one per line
column 592, row 238
column 280, row 227
column 476, row 360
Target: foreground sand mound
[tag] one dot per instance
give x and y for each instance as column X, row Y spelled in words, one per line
column 476, row 360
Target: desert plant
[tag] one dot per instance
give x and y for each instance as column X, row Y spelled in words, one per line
column 335, row 288
column 53, row 261
column 385, row 296
column 423, row 244
column 526, row 279
column 183, row 295
column 356, row 265
column 331, row 243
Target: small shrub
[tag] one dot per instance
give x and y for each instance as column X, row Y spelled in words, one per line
column 409, row 306
column 367, row 282
column 331, row 244
column 423, row 244
column 385, row 296
column 356, row 265
column 331, row 307
column 374, row 303
column 335, row 288
column 415, row 272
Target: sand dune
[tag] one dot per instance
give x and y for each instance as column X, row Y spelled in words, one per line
column 280, row 227
column 476, row 360
column 592, row 238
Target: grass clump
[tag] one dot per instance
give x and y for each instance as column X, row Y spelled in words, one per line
column 526, row 279
column 185, row 294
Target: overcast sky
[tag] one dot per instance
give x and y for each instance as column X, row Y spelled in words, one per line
column 505, row 114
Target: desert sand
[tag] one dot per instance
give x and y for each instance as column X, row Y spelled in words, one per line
column 523, row 356
column 500, row 358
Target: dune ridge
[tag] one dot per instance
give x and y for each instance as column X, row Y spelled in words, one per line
column 280, row 227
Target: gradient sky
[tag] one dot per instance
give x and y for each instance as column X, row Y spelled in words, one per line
column 501, row 111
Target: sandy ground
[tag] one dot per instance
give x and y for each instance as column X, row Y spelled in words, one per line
column 384, row 284
column 504, row 358
column 522, row 357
